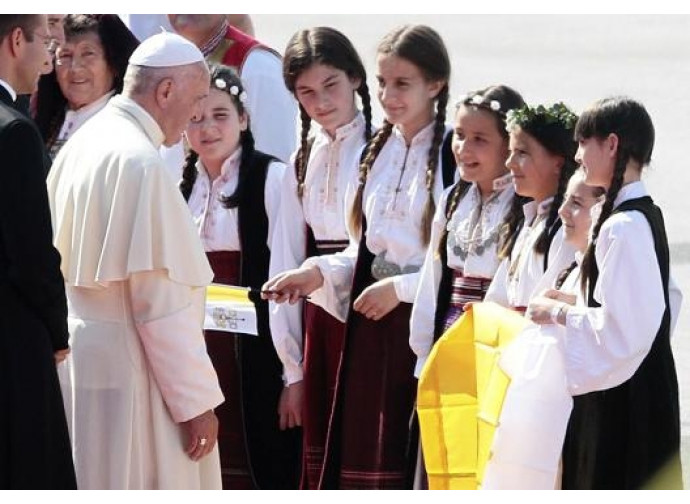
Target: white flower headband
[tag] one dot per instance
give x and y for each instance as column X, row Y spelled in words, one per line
column 234, row 90
column 478, row 101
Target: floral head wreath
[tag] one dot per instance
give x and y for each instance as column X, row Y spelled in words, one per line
column 222, row 84
column 479, row 101
column 556, row 113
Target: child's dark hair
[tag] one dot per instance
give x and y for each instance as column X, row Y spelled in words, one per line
column 325, row 46
column 630, row 122
column 553, row 127
column 224, row 78
column 498, row 101
column 423, row 47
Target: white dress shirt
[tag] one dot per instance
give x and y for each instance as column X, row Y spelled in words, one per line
column 604, row 346
column 9, row 89
column 331, row 167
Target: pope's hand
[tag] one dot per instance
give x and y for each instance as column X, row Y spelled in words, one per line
column 201, row 433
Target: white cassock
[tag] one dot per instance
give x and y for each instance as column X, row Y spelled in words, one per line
column 135, row 273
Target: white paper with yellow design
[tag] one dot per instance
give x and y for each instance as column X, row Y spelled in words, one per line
column 229, row 309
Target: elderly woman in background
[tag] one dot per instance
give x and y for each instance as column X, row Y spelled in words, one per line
column 89, row 68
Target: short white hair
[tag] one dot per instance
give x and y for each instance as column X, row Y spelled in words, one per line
column 143, row 80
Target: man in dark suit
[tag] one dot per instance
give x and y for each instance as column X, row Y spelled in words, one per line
column 34, row 442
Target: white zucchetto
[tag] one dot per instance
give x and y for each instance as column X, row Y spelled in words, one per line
column 166, row 50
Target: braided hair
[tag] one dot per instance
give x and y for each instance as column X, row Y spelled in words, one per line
column 372, row 151
column 630, row 122
column 325, row 46
column 423, row 47
column 553, row 128
column 498, row 101
column 224, row 78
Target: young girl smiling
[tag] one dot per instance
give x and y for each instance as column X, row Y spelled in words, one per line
column 233, row 193
column 463, row 252
column 541, row 162
column 624, row 430
column 324, row 72
column 400, row 181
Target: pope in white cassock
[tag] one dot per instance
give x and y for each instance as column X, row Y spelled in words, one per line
column 139, row 387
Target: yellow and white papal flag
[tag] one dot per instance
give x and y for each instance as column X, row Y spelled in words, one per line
column 228, row 308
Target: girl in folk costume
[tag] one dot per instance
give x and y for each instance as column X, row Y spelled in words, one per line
column 536, row 407
column 233, row 192
column 401, row 178
column 541, row 162
column 463, row 252
column 624, row 430
column 575, row 213
column 324, row 71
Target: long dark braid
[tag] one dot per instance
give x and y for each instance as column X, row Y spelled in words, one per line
column 303, row 153
column 628, row 120
column 564, row 274
column 499, row 101
column 454, row 198
column 189, row 174
column 606, row 209
column 373, row 150
column 363, row 91
column 553, row 128
column 510, row 227
column 326, row 46
column 247, row 144
column 224, row 78
column 432, row 162
column 422, row 46
column 544, row 241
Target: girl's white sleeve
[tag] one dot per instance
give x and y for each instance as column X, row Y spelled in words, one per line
column 604, row 346
column 288, row 251
column 424, row 307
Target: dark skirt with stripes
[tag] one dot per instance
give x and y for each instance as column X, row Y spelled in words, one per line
column 465, row 290
column 323, row 343
column 378, row 395
column 222, row 350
